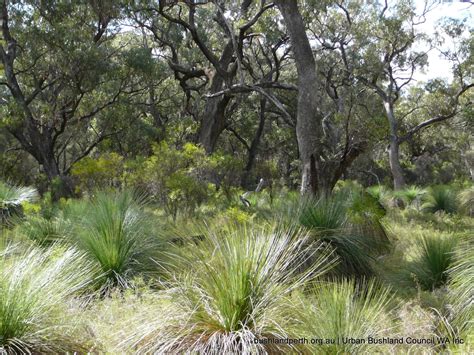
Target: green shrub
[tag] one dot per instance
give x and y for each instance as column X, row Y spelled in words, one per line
column 440, row 198
column 112, row 230
column 98, row 173
column 434, row 256
column 234, row 289
column 346, row 309
column 380, row 193
column 34, row 289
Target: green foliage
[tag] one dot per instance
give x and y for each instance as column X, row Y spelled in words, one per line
column 45, row 231
column 379, row 192
column 411, row 196
column 100, row 173
column 112, row 230
column 234, row 289
column 434, row 256
column 349, row 223
column 181, row 180
column 466, row 200
column 462, row 289
column 346, row 309
column 440, row 199
column 34, row 290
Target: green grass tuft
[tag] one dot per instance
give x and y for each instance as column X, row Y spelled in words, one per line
column 346, row 309
column 434, row 256
column 440, row 199
column 235, row 288
column 351, row 224
column 34, row 289
column 113, row 232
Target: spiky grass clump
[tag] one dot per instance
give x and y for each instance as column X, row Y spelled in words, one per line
column 440, row 199
column 380, row 193
column 462, row 288
column 34, row 288
column 411, row 195
column 234, row 291
column 434, row 256
column 345, row 309
column 11, row 198
column 113, row 232
column 466, row 200
column 349, row 224
column 45, row 231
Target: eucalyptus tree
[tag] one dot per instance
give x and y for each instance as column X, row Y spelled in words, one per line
column 382, row 47
column 203, row 43
column 62, row 72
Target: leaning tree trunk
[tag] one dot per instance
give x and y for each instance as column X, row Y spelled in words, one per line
column 394, row 148
column 308, row 121
column 214, row 116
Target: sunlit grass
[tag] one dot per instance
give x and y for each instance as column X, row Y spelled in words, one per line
column 113, row 232
column 235, row 288
column 34, row 289
column 346, row 309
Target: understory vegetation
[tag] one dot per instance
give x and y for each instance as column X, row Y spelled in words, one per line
column 236, row 177
column 114, row 272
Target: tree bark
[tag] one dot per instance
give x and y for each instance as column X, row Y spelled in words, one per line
column 308, row 121
column 252, row 152
column 394, row 148
column 213, row 118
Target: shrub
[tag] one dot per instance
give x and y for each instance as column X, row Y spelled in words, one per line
column 434, row 256
column 34, row 289
column 345, row 309
column 11, row 199
column 440, row 198
column 235, row 289
column 113, row 232
column 99, row 173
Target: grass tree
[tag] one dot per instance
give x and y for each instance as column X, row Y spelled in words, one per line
column 411, row 196
column 345, row 310
column 440, row 199
column 35, row 286
column 434, row 257
column 11, row 199
column 351, row 224
column 235, row 289
column 462, row 289
column 112, row 229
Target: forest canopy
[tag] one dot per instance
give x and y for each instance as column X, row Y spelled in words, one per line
column 301, row 96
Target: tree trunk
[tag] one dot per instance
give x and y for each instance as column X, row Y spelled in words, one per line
column 252, row 154
column 394, row 149
column 213, row 119
column 308, row 121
